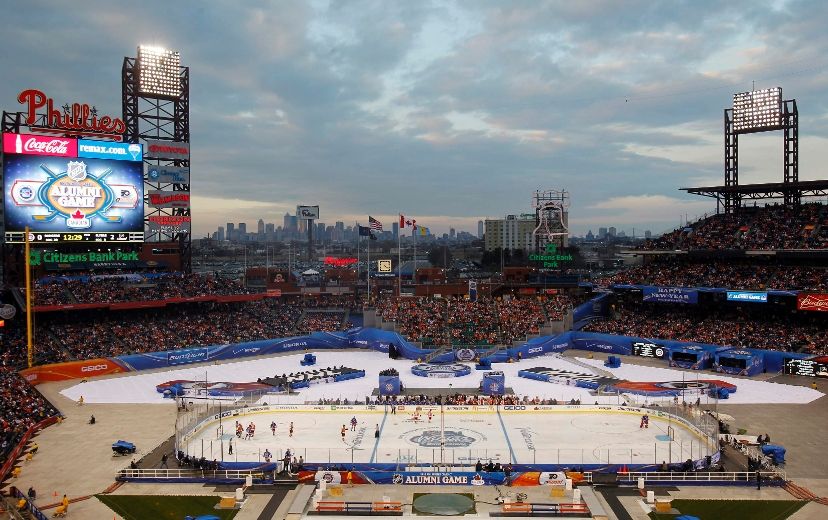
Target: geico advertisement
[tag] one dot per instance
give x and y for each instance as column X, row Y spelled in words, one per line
column 62, row 194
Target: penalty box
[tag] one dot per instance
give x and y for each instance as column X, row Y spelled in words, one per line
column 551, row 434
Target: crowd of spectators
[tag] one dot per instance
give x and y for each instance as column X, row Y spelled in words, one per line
column 22, row 407
column 730, row 275
column 717, row 326
column 752, row 228
column 444, row 321
column 322, row 322
column 131, row 288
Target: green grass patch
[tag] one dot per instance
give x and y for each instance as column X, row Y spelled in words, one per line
column 144, row 507
column 734, row 509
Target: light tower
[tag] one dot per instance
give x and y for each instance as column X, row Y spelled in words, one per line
column 156, row 108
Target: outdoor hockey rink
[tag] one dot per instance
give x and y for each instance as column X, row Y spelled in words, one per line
column 546, row 434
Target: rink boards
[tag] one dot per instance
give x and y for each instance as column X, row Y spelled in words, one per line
column 524, row 434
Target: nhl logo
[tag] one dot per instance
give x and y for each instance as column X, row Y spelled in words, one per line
column 76, row 170
column 397, row 479
column 452, row 439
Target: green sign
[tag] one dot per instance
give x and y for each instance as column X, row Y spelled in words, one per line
column 38, row 257
column 550, row 258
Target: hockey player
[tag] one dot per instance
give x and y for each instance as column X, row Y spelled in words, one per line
column 645, row 421
column 342, row 432
column 353, row 423
column 290, row 431
column 273, row 427
column 430, row 415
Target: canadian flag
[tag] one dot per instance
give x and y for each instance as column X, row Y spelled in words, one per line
column 404, row 222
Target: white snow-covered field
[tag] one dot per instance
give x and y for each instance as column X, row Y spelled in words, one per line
column 564, row 437
column 140, row 387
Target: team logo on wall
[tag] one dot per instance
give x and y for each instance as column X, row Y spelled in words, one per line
column 448, row 439
column 397, row 479
column 430, row 370
column 389, row 387
column 465, row 354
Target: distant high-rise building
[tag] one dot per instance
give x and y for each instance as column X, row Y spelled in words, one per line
column 395, row 229
column 480, row 229
column 452, row 234
column 220, row 234
column 611, row 231
column 648, row 234
column 242, row 231
column 589, row 235
column 602, row 233
column 260, row 229
column 231, row 231
column 287, row 222
column 269, row 228
column 512, row 232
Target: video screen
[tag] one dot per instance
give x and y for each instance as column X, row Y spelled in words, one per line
column 68, row 199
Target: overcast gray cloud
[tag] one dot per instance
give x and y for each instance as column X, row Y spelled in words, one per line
column 447, row 111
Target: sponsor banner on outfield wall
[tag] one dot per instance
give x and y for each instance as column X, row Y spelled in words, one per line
column 110, row 150
column 156, row 149
column 187, row 356
column 670, row 295
column 71, row 370
column 168, row 174
column 812, row 302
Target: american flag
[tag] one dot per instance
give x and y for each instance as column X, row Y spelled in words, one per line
column 375, row 224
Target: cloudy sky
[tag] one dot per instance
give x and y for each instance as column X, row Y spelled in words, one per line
column 446, row 111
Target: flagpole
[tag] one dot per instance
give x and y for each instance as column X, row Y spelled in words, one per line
column 399, row 260
column 359, row 270
column 369, row 270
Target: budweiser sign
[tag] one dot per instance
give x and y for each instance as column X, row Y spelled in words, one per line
column 77, row 119
column 27, row 144
column 812, row 302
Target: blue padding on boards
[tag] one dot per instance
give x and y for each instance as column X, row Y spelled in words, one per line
column 723, row 393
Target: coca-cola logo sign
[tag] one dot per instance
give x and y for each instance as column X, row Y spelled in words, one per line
column 78, row 119
column 812, row 302
column 28, row 144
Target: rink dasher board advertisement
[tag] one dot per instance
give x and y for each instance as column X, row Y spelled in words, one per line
column 73, row 199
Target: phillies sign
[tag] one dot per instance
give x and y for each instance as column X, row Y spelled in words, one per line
column 812, row 302
column 339, row 262
column 78, row 119
column 27, row 144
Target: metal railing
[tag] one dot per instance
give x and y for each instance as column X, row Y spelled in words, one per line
column 189, row 474
column 695, row 476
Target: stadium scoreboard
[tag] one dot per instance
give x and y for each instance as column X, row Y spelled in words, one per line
column 653, row 350
column 806, row 367
column 16, row 237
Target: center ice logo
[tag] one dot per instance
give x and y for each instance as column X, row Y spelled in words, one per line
column 452, row 438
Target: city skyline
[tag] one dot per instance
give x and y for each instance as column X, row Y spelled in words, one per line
column 447, row 111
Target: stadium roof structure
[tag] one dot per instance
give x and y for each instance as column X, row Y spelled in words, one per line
column 768, row 190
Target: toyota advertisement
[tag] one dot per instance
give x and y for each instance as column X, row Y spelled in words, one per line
column 72, row 190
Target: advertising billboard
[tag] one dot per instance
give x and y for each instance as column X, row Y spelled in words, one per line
column 169, row 224
column 307, row 212
column 157, row 149
column 72, row 199
column 27, row 144
column 168, row 199
column 817, row 302
column 168, row 174
column 109, row 150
